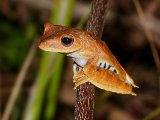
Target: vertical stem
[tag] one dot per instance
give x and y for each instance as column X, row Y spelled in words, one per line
column 95, row 23
column 85, row 93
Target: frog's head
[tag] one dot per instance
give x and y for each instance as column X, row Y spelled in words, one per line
column 59, row 39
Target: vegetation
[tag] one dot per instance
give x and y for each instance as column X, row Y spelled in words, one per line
column 47, row 89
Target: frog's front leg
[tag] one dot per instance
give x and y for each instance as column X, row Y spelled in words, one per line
column 79, row 77
column 80, row 81
column 78, row 72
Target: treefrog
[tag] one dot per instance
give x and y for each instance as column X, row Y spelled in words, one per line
column 93, row 61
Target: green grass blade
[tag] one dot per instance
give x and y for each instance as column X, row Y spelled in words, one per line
column 62, row 14
column 65, row 8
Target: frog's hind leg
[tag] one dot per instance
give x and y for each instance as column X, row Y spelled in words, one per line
column 107, row 80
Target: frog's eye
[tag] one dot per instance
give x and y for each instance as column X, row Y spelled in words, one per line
column 66, row 41
column 41, row 29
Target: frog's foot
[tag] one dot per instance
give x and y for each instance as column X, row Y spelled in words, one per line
column 130, row 81
column 78, row 75
column 80, row 81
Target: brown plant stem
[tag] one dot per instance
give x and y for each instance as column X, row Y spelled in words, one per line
column 85, row 93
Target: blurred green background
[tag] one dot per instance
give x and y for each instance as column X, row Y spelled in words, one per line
column 47, row 89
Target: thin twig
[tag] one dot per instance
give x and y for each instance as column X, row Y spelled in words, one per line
column 149, row 37
column 18, row 83
column 85, row 93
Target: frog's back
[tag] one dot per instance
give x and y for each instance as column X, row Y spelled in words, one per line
column 102, row 47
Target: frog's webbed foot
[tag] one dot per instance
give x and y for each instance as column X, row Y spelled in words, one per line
column 80, row 81
column 130, row 81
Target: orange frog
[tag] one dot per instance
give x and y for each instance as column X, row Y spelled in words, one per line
column 93, row 61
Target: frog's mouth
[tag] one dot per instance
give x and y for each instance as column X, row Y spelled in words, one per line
column 70, row 53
